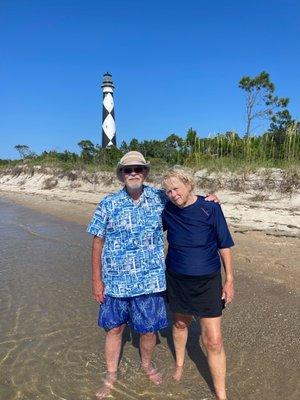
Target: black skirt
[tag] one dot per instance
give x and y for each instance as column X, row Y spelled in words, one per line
column 195, row 295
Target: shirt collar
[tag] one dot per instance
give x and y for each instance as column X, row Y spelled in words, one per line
column 147, row 192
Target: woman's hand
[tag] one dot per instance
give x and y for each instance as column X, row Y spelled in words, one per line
column 228, row 292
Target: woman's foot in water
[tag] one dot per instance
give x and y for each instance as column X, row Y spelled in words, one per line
column 178, row 372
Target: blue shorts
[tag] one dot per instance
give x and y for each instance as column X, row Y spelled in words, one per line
column 145, row 313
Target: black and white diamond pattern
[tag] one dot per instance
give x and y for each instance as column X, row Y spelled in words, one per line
column 108, row 119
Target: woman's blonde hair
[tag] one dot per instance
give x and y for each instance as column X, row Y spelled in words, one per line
column 183, row 174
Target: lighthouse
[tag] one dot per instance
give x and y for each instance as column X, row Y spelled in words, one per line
column 108, row 112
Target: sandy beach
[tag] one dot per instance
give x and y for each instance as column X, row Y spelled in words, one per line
column 260, row 327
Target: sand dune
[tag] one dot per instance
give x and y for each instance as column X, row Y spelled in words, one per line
column 259, row 204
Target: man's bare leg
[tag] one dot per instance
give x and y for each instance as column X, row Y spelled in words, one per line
column 112, row 349
column 147, row 344
column 180, row 335
column 213, row 343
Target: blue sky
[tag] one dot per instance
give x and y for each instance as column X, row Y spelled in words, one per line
column 175, row 65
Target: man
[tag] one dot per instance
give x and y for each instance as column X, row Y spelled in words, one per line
column 128, row 269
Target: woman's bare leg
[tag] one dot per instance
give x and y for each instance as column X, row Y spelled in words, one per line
column 180, row 335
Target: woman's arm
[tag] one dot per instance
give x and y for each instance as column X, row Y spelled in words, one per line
column 228, row 288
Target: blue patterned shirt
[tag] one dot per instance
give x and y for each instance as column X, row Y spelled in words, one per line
column 133, row 253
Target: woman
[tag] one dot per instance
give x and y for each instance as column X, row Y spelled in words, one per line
column 198, row 237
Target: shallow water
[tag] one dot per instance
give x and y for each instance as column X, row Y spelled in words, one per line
column 51, row 347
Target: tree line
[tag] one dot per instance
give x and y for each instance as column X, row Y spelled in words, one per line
column 280, row 142
column 229, row 147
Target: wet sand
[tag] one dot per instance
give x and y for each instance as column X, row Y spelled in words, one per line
column 51, row 347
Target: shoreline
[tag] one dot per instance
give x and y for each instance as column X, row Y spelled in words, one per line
column 266, row 200
column 263, row 254
column 273, row 214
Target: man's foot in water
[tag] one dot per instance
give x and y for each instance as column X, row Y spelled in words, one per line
column 108, row 385
column 152, row 374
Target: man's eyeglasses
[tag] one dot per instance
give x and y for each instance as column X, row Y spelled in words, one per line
column 138, row 169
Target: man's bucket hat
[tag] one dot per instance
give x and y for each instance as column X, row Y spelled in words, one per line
column 131, row 158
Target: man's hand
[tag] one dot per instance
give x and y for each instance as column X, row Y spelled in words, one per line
column 212, row 197
column 228, row 292
column 98, row 290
